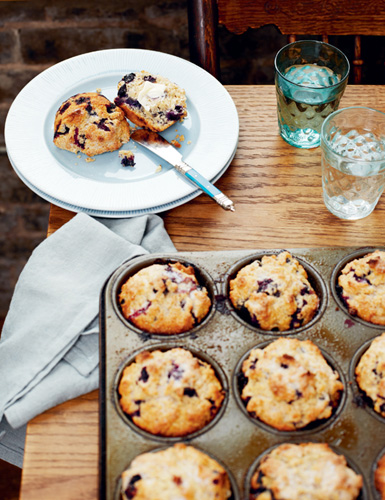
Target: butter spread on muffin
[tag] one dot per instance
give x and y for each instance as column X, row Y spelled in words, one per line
column 290, row 384
column 275, row 293
column 362, row 283
column 151, row 101
column 164, row 299
column 179, row 472
column 170, row 393
column 309, row 471
column 91, row 124
column 370, row 373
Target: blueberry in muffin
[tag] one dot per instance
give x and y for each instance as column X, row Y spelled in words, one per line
column 370, row 374
column 89, row 123
column 151, row 101
column 289, row 384
column 361, row 286
column 274, row 293
column 164, row 299
column 179, row 472
column 170, row 393
column 310, row 471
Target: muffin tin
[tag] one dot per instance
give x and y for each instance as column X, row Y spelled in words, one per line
column 235, row 439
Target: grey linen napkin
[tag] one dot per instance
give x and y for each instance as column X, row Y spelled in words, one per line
column 49, row 343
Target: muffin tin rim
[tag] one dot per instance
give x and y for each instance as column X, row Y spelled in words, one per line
column 140, row 262
column 299, row 432
column 311, row 271
column 219, row 372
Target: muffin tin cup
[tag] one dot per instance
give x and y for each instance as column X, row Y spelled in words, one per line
column 357, row 254
column 171, row 439
column 234, row 487
column 311, row 428
column 232, row 436
column 360, row 398
column 314, row 279
column 204, row 279
column 375, row 492
column 364, row 494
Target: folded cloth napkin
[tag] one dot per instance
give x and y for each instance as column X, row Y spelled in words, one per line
column 49, row 343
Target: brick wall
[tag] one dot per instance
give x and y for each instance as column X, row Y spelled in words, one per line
column 37, row 34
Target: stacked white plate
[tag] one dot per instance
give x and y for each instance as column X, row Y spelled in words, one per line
column 208, row 137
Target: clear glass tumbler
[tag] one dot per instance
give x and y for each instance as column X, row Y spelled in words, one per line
column 310, row 78
column 353, row 161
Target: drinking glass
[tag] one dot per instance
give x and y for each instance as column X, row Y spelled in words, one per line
column 353, row 161
column 310, row 78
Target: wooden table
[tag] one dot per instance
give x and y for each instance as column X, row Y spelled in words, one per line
column 277, row 192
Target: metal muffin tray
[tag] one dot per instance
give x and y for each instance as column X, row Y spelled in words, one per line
column 224, row 338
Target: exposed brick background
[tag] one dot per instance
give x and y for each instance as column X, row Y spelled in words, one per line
column 37, row 34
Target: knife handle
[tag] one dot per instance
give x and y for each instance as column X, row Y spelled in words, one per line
column 205, row 185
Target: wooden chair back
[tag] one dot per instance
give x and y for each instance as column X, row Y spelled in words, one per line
column 292, row 18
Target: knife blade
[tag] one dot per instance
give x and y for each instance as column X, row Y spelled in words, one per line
column 161, row 147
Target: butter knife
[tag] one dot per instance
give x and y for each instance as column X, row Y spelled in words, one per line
column 158, row 145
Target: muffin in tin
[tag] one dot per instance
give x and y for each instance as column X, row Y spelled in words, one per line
column 379, row 477
column 89, row 123
column 275, row 293
column 178, row 472
column 370, row 374
column 170, row 393
column 164, row 298
column 289, row 384
column 362, row 287
column 310, row 471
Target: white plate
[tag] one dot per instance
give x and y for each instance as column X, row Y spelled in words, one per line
column 103, row 187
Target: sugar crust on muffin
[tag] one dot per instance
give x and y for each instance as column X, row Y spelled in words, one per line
column 370, row 373
column 151, row 101
column 164, row 299
column 275, row 292
column 89, row 123
column 290, row 384
column 309, row 471
column 179, row 472
column 362, row 283
column 170, row 393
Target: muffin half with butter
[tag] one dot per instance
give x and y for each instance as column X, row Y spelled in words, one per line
column 151, row 101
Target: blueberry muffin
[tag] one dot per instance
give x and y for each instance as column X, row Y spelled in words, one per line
column 362, row 287
column 370, row 373
column 379, row 477
column 274, row 293
column 310, row 471
column 151, row 101
column 289, row 384
column 179, row 472
column 89, row 123
column 164, row 299
column 170, row 393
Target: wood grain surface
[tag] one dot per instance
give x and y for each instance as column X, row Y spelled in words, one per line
column 308, row 17
column 277, row 193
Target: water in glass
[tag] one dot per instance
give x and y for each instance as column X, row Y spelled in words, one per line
column 303, row 107
column 351, row 189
